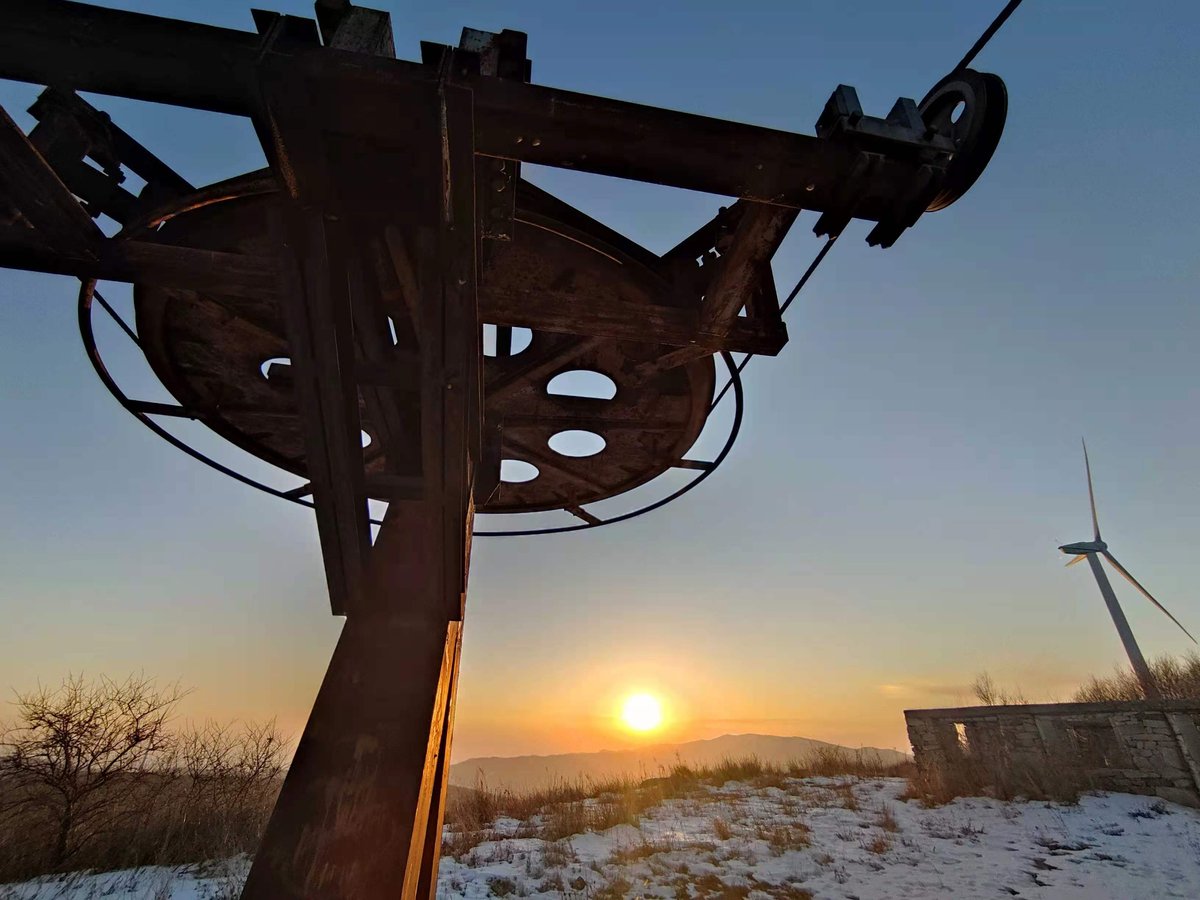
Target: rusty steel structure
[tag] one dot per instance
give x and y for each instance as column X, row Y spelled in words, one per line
column 324, row 314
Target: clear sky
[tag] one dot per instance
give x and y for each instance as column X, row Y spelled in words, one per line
column 886, row 526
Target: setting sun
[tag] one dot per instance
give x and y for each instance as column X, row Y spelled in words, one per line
column 642, row 712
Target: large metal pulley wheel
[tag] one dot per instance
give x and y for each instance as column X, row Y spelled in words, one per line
column 969, row 108
column 225, row 356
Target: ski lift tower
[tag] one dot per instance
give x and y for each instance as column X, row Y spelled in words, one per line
column 325, row 313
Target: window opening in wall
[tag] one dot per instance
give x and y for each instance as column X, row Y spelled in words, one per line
column 960, row 732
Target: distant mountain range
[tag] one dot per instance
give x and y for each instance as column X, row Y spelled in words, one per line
column 522, row 773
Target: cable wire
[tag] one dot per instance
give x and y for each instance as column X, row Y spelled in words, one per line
column 978, row 46
column 812, row 267
column 988, row 34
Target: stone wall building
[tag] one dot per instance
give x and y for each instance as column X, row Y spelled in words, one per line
column 1141, row 747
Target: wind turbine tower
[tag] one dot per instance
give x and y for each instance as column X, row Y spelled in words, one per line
column 1092, row 551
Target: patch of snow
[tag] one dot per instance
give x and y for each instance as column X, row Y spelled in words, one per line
column 835, row 838
column 220, row 880
column 810, row 836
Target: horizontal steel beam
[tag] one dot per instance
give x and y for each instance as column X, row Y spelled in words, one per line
column 106, row 51
column 166, row 265
column 242, row 275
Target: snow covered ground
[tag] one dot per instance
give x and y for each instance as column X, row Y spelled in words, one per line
column 821, row 837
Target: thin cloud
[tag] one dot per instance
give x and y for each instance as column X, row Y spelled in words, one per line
column 924, row 690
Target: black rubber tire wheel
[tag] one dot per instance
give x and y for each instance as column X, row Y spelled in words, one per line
column 975, row 130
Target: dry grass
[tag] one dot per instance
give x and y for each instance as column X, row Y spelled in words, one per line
column 878, row 844
column 554, row 813
column 785, row 892
column 831, row 762
column 557, row 854
column 1178, row 678
column 988, row 777
column 845, row 793
column 576, row 807
column 617, row 889
column 712, row 887
column 887, row 819
column 783, row 837
column 644, row 849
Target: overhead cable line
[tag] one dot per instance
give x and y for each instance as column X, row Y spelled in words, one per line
column 988, row 34
column 975, row 50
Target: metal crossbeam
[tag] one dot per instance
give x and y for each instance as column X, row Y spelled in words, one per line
column 150, row 58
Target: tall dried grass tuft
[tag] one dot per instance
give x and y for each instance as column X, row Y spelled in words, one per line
column 832, row 761
column 1178, row 678
column 993, row 777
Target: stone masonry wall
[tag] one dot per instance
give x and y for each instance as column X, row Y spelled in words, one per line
column 1141, row 748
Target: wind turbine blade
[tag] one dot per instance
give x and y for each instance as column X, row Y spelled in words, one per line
column 1145, row 593
column 1091, row 493
column 1080, row 558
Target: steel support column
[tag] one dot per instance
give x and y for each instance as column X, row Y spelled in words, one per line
column 360, row 813
column 364, row 793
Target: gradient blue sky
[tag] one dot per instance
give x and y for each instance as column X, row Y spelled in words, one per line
column 885, row 528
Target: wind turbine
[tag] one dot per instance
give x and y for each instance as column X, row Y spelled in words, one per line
column 1092, row 551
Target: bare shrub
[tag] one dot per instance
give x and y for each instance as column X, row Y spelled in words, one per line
column 230, row 777
column 93, row 776
column 988, row 693
column 1178, row 678
column 83, row 760
column 721, row 829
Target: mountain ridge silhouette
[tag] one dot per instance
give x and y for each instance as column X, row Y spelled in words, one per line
column 530, row 772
